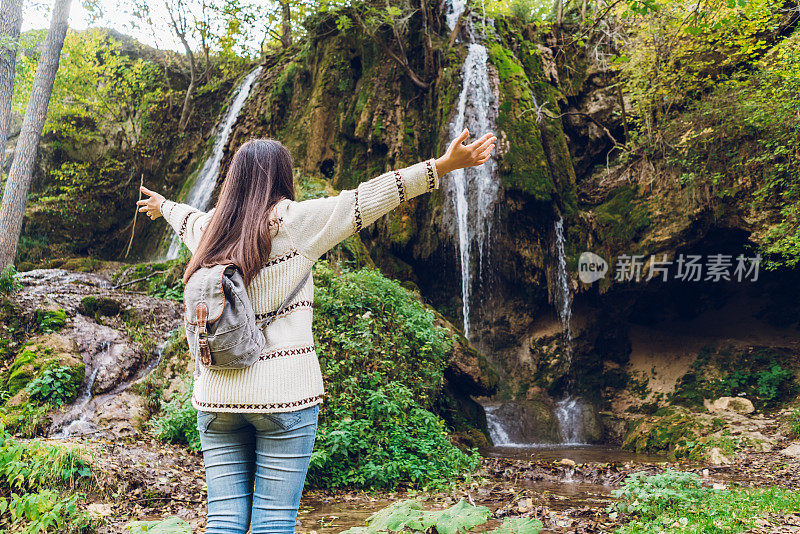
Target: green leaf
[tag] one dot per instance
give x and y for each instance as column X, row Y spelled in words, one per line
column 461, row 516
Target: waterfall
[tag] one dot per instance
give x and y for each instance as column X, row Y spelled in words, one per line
column 497, row 431
column 562, row 296
column 206, row 179
column 570, row 409
column 474, row 189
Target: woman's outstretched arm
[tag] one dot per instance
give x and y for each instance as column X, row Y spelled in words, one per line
column 317, row 225
column 187, row 221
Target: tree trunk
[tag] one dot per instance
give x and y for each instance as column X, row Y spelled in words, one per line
column 186, row 110
column 10, row 22
column 21, row 174
column 286, row 25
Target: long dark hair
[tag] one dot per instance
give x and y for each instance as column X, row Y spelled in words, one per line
column 259, row 177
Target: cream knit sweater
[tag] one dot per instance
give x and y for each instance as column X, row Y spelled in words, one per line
column 287, row 377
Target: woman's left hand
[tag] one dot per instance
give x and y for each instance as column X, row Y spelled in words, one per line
column 151, row 206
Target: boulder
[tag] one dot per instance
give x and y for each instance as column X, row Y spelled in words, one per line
column 738, row 405
column 522, row 421
column 39, row 354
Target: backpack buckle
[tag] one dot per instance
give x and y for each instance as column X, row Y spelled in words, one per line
column 201, row 313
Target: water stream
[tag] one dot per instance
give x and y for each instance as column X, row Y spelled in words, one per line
column 474, row 189
column 206, row 178
column 76, row 421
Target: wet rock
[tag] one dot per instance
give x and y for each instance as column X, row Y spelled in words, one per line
column 792, row 451
column 738, row 405
column 566, row 462
column 109, row 355
column 119, row 414
column 527, row 421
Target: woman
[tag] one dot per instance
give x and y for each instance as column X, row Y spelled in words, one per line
column 257, row 425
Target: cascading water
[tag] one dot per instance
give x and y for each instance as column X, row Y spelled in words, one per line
column 569, row 410
column 562, row 296
column 474, row 189
column 200, row 193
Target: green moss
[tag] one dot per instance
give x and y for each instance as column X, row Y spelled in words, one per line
column 99, row 306
column 50, row 320
column 623, row 217
column 537, row 162
column 676, row 431
column 21, row 371
column 37, row 356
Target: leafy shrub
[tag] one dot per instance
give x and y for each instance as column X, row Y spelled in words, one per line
column 165, row 291
column 758, row 375
column 371, row 331
column 649, row 494
column 178, row 424
column 8, row 280
column 57, row 385
column 387, row 441
column 409, row 516
column 31, row 475
column 382, row 358
column 33, row 466
column 45, row 511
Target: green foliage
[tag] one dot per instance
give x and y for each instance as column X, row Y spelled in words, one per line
column 31, row 475
column 382, row 359
column 167, row 291
column 409, row 516
column 178, row 422
column 623, row 216
column 759, row 375
column 171, row 525
column 57, row 385
column 794, row 423
column 371, row 331
column 386, row 442
column 675, row 501
column 650, row 494
column 50, row 320
column 45, row 511
column 33, row 466
column 8, row 281
column 678, row 51
column 96, row 83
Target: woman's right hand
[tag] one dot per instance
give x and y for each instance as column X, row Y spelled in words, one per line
column 152, row 205
column 460, row 156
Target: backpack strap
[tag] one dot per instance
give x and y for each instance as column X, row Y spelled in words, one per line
column 201, row 314
column 288, row 299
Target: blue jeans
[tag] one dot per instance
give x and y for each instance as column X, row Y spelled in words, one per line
column 256, row 465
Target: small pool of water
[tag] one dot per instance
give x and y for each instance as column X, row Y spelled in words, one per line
column 577, row 453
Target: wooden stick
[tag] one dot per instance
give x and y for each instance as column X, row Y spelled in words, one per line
column 135, row 213
column 138, row 280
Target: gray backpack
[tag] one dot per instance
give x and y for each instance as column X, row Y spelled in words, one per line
column 220, row 323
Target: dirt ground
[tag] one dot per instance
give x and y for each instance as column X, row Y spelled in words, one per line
column 567, row 489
